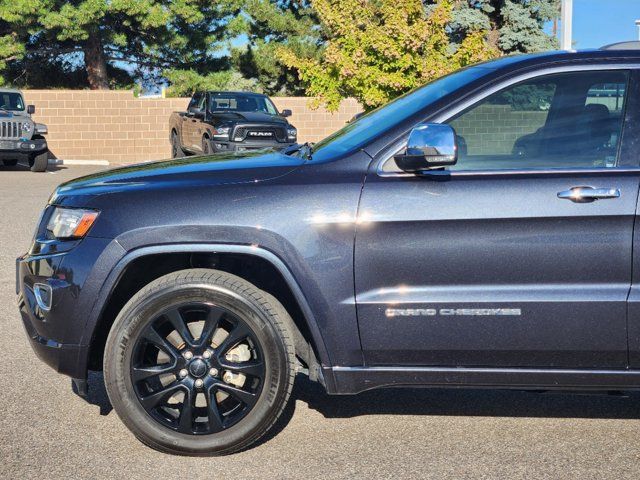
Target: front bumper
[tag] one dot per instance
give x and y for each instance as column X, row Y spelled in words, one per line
column 22, row 148
column 58, row 334
column 63, row 358
column 227, row 146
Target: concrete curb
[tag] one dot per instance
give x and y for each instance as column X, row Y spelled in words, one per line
column 59, row 161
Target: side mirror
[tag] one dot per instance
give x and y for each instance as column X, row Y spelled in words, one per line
column 31, row 109
column 430, row 145
column 286, row 113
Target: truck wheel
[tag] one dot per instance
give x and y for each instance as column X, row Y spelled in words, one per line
column 200, row 362
column 39, row 163
column 10, row 163
column 176, row 149
column 207, row 147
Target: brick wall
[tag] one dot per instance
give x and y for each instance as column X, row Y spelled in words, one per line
column 493, row 129
column 117, row 127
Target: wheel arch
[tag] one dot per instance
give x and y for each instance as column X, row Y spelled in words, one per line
column 143, row 265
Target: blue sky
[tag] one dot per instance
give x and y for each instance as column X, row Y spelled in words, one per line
column 600, row 22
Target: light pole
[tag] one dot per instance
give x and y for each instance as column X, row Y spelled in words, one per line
column 566, row 14
column 638, row 25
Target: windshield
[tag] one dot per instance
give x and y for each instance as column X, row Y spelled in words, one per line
column 370, row 126
column 233, row 102
column 11, row 101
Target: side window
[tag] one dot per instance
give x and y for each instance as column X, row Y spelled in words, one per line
column 557, row 121
column 609, row 94
column 195, row 101
column 18, row 103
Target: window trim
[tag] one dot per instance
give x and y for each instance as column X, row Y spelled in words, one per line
column 397, row 145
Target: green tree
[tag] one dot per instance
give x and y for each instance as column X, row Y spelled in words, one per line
column 513, row 26
column 269, row 25
column 104, row 42
column 255, row 37
column 377, row 50
column 184, row 82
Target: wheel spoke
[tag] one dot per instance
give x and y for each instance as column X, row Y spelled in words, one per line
column 185, row 422
column 210, row 325
column 239, row 333
column 161, row 396
column 152, row 336
column 248, row 398
column 213, row 413
column 175, row 404
column 142, row 373
column 254, row 368
column 178, row 323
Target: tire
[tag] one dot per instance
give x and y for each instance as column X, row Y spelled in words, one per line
column 10, row 163
column 247, row 311
column 176, row 149
column 207, row 147
column 39, row 163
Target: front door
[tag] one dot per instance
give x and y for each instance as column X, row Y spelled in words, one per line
column 190, row 136
column 507, row 259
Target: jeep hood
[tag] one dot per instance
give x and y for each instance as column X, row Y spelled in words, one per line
column 14, row 114
column 217, row 169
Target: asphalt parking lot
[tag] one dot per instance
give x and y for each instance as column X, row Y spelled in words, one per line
column 48, row 432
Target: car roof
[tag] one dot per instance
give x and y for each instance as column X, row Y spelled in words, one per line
column 584, row 56
column 241, row 94
column 10, row 90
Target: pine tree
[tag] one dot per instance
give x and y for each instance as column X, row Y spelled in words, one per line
column 513, row 26
column 268, row 26
column 141, row 37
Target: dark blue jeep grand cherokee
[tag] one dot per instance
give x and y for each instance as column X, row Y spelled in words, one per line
column 478, row 231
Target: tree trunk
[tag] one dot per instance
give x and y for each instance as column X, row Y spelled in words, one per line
column 95, row 63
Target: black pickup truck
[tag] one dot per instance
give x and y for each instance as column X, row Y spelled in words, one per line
column 229, row 122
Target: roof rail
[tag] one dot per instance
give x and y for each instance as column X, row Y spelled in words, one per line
column 630, row 45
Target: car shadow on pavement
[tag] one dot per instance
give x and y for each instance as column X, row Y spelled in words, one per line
column 469, row 402
column 439, row 401
column 432, row 401
column 97, row 394
column 23, row 167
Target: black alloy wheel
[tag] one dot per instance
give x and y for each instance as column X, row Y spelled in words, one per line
column 169, row 377
column 200, row 362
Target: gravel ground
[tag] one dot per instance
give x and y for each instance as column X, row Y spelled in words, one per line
column 48, row 432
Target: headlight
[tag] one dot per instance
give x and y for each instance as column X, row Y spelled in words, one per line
column 221, row 132
column 71, row 223
column 292, row 133
column 27, row 127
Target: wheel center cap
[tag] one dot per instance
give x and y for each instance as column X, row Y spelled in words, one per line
column 198, row 368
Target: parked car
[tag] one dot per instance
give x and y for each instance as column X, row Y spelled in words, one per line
column 229, row 122
column 476, row 232
column 20, row 137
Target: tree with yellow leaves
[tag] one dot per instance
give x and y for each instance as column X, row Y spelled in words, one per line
column 379, row 49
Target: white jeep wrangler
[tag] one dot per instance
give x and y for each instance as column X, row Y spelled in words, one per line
column 20, row 137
